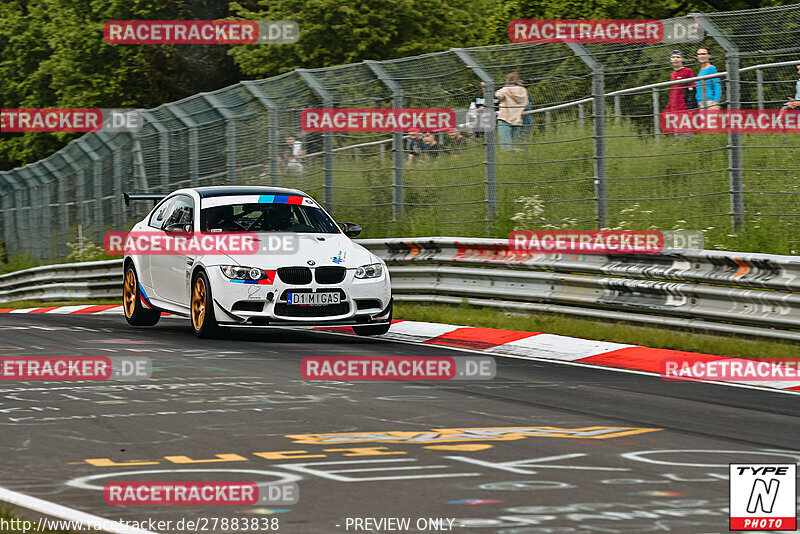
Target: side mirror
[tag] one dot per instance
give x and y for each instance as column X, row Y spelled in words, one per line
column 351, row 229
column 178, row 227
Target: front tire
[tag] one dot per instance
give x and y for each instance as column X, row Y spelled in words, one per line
column 204, row 323
column 135, row 312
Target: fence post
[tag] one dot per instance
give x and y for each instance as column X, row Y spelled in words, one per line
column 599, row 131
column 273, row 137
column 760, row 88
column 488, row 136
column 45, row 223
column 163, row 150
column 188, row 122
column 62, row 220
column 80, row 187
column 327, row 137
column 617, row 110
column 734, row 102
column 230, row 136
column 10, row 209
column 581, row 115
column 116, row 189
column 397, row 139
column 656, row 111
column 97, row 177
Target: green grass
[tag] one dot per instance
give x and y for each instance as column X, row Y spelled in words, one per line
column 7, row 516
column 691, row 340
column 644, row 192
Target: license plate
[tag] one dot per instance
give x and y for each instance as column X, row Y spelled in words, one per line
column 313, row 299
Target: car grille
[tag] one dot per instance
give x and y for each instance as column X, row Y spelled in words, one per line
column 285, row 310
column 329, row 275
column 295, row 275
column 248, row 305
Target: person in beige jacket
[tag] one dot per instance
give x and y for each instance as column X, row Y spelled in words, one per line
column 513, row 98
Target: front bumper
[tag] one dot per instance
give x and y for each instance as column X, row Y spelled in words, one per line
column 362, row 302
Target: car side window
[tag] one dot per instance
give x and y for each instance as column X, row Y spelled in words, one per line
column 181, row 211
column 160, row 214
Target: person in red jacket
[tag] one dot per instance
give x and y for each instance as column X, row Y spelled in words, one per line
column 677, row 93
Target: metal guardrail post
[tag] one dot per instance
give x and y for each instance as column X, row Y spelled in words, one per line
column 327, row 137
column 397, row 139
column 163, row 151
column 733, row 84
column 194, row 175
column 617, row 110
column 599, row 131
column 230, row 136
column 97, row 177
column 656, row 112
column 273, row 137
column 760, row 88
column 581, row 115
column 488, row 137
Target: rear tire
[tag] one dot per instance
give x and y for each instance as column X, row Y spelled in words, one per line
column 374, row 330
column 204, row 323
column 132, row 301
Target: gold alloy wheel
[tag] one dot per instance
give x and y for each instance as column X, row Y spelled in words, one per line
column 129, row 293
column 198, row 303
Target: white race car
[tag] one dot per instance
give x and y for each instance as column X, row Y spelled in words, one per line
column 318, row 277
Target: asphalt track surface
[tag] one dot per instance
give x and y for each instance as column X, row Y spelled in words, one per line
column 243, row 398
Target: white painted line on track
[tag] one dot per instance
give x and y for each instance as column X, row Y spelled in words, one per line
column 89, row 521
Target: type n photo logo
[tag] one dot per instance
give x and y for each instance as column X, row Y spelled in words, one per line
column 763, row 497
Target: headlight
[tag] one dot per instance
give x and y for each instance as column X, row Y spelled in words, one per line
column 374, row 270
column 242, row 273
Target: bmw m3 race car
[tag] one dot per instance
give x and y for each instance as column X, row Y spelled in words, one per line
column 315, row 275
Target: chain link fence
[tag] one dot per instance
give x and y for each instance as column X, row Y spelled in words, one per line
column 590, row 155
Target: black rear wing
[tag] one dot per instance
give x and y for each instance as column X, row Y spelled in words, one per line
column 141, row 196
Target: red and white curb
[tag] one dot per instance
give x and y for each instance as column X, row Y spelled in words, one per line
column 493, row 341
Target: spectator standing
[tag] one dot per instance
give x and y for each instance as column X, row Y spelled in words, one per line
column 708, row 91
column 415, row 146
column 678, row 92
column 513, row 98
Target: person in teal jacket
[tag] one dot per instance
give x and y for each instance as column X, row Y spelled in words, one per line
column 708, row 91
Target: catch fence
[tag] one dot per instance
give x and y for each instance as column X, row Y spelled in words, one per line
column 591, row 153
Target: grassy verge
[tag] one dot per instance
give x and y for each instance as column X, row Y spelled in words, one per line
column 13, row 524
column 691, row 340
column 19, row 304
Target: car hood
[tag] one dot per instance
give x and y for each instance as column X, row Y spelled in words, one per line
column 322, row 249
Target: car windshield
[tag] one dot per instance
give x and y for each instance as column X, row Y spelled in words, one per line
column 266, row 217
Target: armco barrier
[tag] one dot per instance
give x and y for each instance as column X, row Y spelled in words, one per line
column 755, row 294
